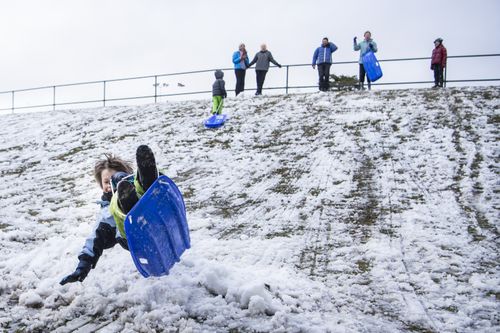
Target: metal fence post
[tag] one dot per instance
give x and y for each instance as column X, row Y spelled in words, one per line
column 53, row 98
column 104, row 93
column 286, row 90
column 445, row 71
column 12, row 101
column 156, row 87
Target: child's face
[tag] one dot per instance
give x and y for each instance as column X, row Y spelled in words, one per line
column 106, row 179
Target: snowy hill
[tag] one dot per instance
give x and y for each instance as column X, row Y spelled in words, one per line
column 339, row 212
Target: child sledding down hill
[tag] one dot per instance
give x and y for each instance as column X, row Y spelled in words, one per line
column 121, row 191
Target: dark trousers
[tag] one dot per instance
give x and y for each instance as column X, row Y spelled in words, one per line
column 438, row 75
column 240, row 80
column 324, row 76
column 362, row 74
column 261, row 77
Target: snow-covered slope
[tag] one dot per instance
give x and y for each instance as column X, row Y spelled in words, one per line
column 339, row 212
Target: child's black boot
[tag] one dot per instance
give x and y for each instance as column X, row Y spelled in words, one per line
column 146, row 166
column 127, row 197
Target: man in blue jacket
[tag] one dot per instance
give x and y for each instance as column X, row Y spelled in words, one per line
column 323, row 58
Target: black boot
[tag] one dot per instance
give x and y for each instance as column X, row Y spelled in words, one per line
column 146, row 166
column 127, row 197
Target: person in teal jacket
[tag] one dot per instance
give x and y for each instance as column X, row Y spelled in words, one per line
column 368, row 44
column 241, row 62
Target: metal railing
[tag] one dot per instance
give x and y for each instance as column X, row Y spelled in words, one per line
column 155, row 95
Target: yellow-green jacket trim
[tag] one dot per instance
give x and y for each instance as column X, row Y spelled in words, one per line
column 117, row 213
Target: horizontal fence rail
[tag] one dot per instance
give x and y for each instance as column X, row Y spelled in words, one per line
column 155, row 95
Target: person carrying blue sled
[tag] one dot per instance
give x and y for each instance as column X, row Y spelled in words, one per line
column 218, row 92
column 121, row 191
column 368, row 44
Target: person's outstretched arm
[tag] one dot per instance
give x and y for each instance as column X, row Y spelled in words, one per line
column 271, row 59
column 356, row 46
column 253, row 61
column 102, row 237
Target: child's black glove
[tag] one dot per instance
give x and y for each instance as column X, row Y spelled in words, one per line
column 79, row 274
column 279, row 65
column 355, row 40
column 371, row 46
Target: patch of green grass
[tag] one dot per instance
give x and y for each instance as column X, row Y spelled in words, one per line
column 283, row 233
column 314, row 192
column 33, row 212
column 414, row 327
column 188, row 193
column 122, row 137
column 226, row 144
column 185, row 175
column 493, row 119
column 11, row 148
column 363, row 265
column 287, row 177
column 310, row 131
column 285, row 188
column 20, row 170
column 67, row 155
column 47, row 221
column 476, row 237
column 488, row 95
column 386, row 156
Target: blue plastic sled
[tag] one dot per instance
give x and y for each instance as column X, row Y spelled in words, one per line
column 157, row 230
column 372, row 66
column 216, row 120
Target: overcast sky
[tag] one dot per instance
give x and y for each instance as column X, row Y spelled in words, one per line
column 61, row 41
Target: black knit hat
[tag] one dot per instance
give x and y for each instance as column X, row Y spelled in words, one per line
column 440, row 40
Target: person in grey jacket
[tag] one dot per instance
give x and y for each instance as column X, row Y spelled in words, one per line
column 262, row 60
column 218, row 92
column 368, row 44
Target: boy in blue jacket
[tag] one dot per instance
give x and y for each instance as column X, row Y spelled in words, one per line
column 323, row 58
